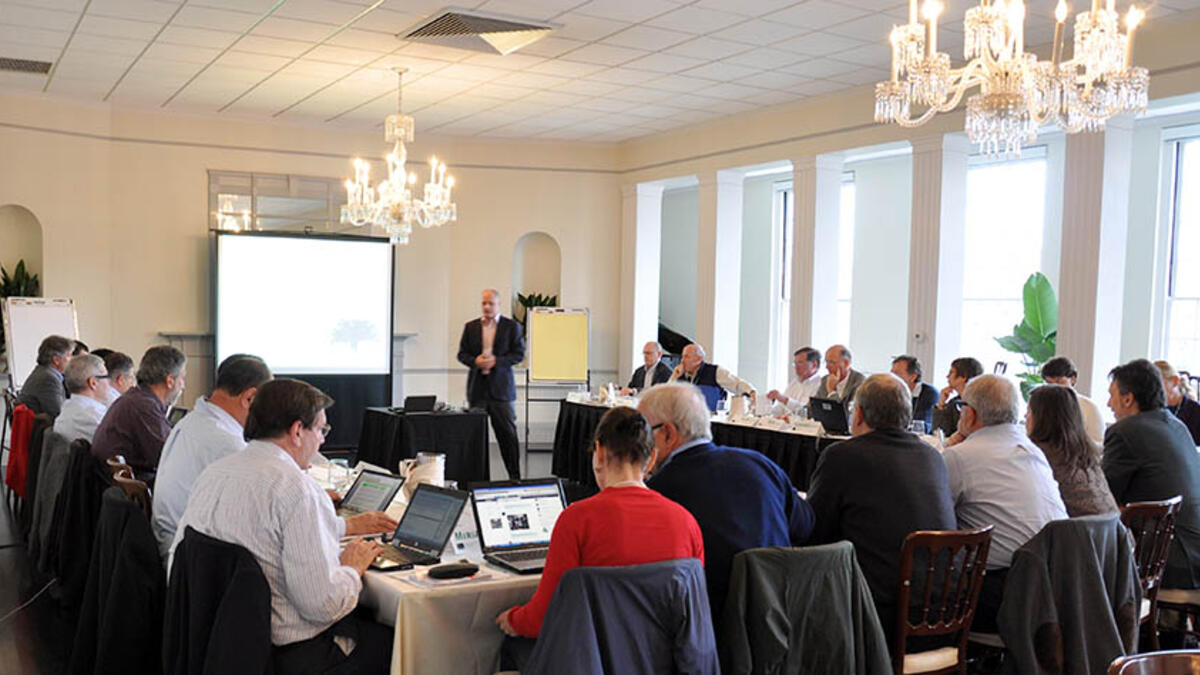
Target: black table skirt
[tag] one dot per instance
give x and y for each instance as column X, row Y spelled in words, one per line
column 795, row 453
column 389, row 436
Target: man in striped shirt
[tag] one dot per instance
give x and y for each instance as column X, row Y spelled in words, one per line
column 261, row 499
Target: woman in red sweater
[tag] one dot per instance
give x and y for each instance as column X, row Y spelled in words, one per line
column 626, row 524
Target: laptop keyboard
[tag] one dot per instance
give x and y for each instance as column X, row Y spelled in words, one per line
column 406, row 554
column 522, row 556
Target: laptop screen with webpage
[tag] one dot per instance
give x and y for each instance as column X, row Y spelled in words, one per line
column 511, row 516
column 372, row 491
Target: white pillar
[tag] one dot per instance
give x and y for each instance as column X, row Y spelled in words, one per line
column 935, row 272
column 816, row 217
column 641, row 245
column 719, row 266
column 1092, row 271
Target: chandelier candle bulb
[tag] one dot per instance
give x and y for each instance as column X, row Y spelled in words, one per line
column 912, row 12
column 1132, row 19
column 1060, row 17
column 931, row 10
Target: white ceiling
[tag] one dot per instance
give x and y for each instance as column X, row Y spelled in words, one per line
column 617, row 69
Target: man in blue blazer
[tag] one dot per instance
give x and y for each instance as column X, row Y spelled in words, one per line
column 740, row 499
column 490, row 346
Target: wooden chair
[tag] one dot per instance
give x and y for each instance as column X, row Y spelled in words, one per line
column 1153, row 526
column 1000, row 368
column 117, row 465
column 1182, row 662
column 135, row 490
column 956, row 563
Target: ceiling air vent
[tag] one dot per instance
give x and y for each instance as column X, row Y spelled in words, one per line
column 478, row 31
column 24, row 66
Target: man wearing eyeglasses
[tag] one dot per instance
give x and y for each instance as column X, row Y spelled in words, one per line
column 262, row 500
column 87, row 380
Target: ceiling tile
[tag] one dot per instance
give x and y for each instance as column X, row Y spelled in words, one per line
column 36, row 37
column 731, row 90
column 607, row 105
column 774, row 79
column 531, row 80
column 99, row 25
column 757, row 32
column 197, row 16
column 861, row 76
column 141, row 10
column 371, row 40
column 291, row 29
column 720, row 70
column 647, row 37
column 697, row 20
column 868, row 55
column 37, row 17
column 664, row 63
column 389, row 20
column 870, row 28
column 334, row 54
column 708, row 48
column 566, row 69
column 746, row 7
column 324, row 11
column 627, row 10
column 765, row 58
column 17, row 50
column 818, row 44
column 181, row 53
column 815, row 14
column 257, row 62
column 463, row 71
column 506, row 62
column 504, row 92
column 197, row 37
column 607, row 55
column 772, row 98
column 817, row 68
column 588, row 87
column 551, row 47
column 680, row 83
column 587, row 28
column 817, row 87
column 112, row 45
column 261, row 44
column 625, row 76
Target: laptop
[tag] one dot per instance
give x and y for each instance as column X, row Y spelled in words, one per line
column 175, row 415
column 830, row 413
column 515, row 519
column 419, row 404
column 425, row 528
column 371, row 491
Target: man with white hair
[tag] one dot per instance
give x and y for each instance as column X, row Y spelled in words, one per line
column 842, row 381
column 740, row 498
column 650, row 373
column 87, row 380
column 713, row 380
column 999, row 477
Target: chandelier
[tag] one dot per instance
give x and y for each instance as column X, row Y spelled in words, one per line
column 392, row 205
column 1017, row 92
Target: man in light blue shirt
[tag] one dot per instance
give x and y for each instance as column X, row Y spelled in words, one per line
column 212, row 430
column 87, row 380
column 999, row 477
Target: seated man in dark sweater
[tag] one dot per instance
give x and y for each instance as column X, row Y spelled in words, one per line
column 740, row 498
column 879, row 486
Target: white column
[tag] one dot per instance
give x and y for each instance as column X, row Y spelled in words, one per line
column 641, row 245
column 1092, row 271
column 935, row 272
column 816, row 217
column 719, row 266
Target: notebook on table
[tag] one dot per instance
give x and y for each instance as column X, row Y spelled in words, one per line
column 424, row 529
column 515, row 519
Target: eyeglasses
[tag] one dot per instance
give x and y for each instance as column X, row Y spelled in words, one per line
column 656, row 427
column 324, row 430
column 102, row 377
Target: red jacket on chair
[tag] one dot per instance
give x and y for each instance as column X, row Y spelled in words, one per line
column 18, row 453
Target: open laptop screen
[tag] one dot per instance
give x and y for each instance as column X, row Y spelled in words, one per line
column 517, row 515
column 430, row 517
column 372, row 491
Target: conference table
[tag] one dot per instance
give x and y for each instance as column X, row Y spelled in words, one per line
column 390, row 435
column 795, row 451
column 441, row 626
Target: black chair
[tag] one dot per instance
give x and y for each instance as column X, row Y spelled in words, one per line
column 955, row 563
column 1153, row 527
column 218, row 612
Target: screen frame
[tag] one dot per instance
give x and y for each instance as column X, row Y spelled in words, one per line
column 500, row 485
column 214, row 309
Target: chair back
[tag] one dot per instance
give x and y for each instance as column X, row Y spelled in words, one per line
column 135, row 490
column 948, row 586
column 1182, row 662
column 1153, row 527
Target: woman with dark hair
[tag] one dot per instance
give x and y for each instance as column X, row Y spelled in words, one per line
column 1055, row 424
column 626, row 524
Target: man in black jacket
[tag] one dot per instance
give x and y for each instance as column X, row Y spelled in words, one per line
column 879, row 486
column 43, row 391
column 490, row 346
column 924, row 396
column 653, row 372
column 1149, row 456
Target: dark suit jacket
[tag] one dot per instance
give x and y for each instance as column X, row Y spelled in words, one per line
column 1188, row 412
column 923, row 404
column 1148, row 457
column 874, row 490
column 740, row 499
column 43, row 391
column 508, row 348
column 853, row 381
column 662, row 373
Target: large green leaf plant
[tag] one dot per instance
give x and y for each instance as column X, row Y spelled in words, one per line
column 532, row 300
column 1035, row 338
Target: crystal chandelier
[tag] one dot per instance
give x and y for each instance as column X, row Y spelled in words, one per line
column 1017, row 92
column 393, row 205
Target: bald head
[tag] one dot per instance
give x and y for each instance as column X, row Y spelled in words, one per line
column 883, row 401
column 991, row 400
column 490, row 303
column 651, row 354
column 693, row 356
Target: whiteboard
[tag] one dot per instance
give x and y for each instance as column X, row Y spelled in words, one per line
column 558, row 344
column 28, row 321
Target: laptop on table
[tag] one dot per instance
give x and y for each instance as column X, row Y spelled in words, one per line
column 831, row 413
column 371, row 491
column 515, row 519
column 424, row 529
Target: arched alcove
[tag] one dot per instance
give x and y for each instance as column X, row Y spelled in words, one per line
column 20, row 239
column 536, row 268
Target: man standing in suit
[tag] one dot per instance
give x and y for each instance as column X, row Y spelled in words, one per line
column 652, row 373
column 490, row 346
column 43, row 391
column 842, row 381
column 1149, row 456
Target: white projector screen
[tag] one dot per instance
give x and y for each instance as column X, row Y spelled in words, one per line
column 307, row 305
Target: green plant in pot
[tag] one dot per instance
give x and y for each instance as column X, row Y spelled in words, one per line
column 20, row 284
column 1036, row 337
column 532, row 300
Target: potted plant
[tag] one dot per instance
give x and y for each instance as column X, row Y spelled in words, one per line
column 532, row 300
column 1036, row 337
column 20, row 284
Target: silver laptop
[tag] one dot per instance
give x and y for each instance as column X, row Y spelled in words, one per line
column 371, row 491
column 424, row 529
column 515, row 519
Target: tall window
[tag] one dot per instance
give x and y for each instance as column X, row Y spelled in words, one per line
column 1005, row 217
column 845, row 284
column 1183, row 268
column 779, row 358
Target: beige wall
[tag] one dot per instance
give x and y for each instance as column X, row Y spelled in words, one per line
column 122, row 200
